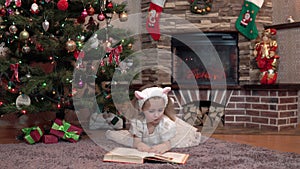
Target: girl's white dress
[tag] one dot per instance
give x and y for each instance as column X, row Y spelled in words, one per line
column 180, row 133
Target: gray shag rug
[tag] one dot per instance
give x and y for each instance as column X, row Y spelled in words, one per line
column 86, row 154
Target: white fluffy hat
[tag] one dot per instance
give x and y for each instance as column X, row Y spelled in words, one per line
column 152, row 92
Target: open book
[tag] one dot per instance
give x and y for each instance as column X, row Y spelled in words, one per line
column 131, row 155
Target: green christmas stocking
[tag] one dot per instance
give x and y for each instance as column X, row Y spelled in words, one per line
column 245, row 23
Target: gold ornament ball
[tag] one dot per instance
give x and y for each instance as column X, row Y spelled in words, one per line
column 208, row 9
column 123, row 16
column 24, row 35
column 129, row 46
column 71, row 45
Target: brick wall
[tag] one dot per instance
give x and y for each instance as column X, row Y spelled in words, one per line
column 263, row 109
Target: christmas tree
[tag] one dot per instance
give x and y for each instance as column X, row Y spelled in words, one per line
column 44, row 42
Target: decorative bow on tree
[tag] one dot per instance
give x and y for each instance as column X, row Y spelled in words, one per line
column 114, row 53
column 14, row 68
column 17, row 2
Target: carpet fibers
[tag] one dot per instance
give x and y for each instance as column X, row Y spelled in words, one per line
column 85, row 154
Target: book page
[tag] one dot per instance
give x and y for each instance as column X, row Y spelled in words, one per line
column 130, row 152
column 175, row 157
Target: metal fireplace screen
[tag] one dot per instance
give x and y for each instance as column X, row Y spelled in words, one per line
column 225, row 46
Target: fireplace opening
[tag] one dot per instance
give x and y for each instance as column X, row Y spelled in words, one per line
column 225, row 45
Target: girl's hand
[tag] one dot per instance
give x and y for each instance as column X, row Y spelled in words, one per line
column 143, row 147
column 161, row 148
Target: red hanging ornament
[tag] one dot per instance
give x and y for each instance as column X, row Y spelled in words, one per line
column 101, row 16
column 81, row 19
column 2, row 12
column 84, row 13
column 62, row 5
column 110, row 5
column 91, row 11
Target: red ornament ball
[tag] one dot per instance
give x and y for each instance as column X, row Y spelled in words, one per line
column 81, row 19
column 101, row 17
column 62, row 5
column 2, row 12
column 110, row 5
column 91, row 11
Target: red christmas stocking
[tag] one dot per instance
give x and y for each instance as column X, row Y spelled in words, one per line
column 152, row 23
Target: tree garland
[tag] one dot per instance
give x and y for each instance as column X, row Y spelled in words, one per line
column 201, row 6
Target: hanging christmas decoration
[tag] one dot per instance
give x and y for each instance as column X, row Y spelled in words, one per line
column 245, row 22
column 17, row 12
column 114, row 54
column 24, row 35
column 84, row 13
column 34, row 8
column 22, row 100
column 101, row 16
column 266, row 57
column 109, row 5
column 153, row 18
column 70, row 45
column 2, row 11
column 81, row 19
column 25, row 49
column 13, row 29
column 45, row 25
column 18, row 3
column 91, row 11
column 123, row 16
column 62, row 5
column 201, row 6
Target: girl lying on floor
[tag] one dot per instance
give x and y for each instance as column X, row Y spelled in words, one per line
column 155, row 127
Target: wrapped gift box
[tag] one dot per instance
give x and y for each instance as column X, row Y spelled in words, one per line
column 65, row 130
column 32, row 134
column 49, row 139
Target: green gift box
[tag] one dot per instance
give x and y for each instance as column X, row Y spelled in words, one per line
column 32, row 134
column 66, row 130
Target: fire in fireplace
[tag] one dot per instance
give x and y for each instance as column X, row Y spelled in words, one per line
column 192, row 50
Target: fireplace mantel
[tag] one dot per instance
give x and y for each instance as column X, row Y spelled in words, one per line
column 271, row 87
column 284, row 26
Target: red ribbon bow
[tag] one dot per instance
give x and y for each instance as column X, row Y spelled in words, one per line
column 14, row 67
column 114, row 53
column 17, row 2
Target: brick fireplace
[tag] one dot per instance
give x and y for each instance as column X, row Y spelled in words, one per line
column 246, row 103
